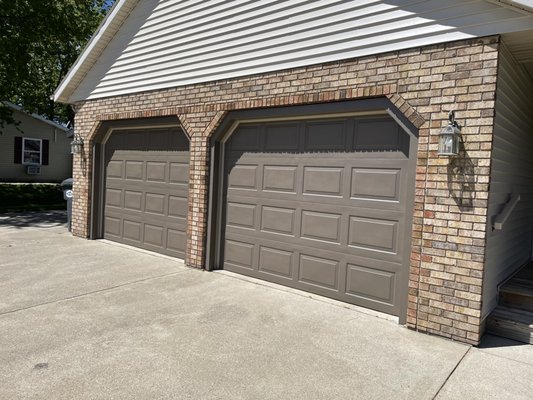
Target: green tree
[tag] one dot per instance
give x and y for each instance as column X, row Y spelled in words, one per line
column 39, row 41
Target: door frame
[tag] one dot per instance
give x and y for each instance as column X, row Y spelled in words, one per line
column 97, row 205
column 366, row 107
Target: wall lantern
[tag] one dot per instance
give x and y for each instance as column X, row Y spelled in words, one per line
column 450, row 137
column 76, row 146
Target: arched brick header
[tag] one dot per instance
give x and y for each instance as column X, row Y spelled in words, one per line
column 410, row 113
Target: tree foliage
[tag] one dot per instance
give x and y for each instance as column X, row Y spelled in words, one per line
column 39, row 41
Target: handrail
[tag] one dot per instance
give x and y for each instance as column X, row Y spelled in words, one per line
column 500, row 219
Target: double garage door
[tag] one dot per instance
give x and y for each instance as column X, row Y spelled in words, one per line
column 319, row 205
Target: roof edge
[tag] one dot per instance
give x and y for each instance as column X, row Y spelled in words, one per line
column 526, row 6
column 36, row 116
column 61, row 93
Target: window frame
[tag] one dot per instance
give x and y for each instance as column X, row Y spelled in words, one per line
column 24, row 162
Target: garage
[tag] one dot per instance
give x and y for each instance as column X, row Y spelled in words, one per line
column 322, row 205
column 146, row 186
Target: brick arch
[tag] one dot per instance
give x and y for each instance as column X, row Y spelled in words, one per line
column 406, row 109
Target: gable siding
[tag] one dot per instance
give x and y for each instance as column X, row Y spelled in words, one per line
column 170, row 43
column 511, row 172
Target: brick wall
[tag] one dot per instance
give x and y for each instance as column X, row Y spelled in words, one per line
column 449, row 226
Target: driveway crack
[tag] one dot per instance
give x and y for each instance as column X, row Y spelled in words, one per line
column 451, row 373
column 107, row 289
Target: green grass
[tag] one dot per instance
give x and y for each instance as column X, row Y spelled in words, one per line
column 31, row 197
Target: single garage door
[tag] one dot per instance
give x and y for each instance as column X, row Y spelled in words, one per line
column 324, row 206
column 146, row 186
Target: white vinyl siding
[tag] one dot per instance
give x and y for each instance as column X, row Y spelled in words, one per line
column 170, row 43
column 511, row 172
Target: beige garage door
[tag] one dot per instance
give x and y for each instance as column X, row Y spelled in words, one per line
column 146, row 187
column 324, row 206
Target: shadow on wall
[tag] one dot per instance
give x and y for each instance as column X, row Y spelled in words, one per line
column 462, row 179
column 47, row 219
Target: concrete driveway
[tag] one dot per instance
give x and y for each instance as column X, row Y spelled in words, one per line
column 92, row 320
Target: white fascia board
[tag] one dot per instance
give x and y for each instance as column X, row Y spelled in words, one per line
column 36, row 116
column 60, row 93
column 525, row 5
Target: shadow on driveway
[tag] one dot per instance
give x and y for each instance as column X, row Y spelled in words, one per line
column 37, row 219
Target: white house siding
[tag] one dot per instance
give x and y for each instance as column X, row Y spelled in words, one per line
column 512, row 172
column 60, row 160
column 169, row 43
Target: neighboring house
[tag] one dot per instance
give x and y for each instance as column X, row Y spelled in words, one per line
column 296, row 142
column 34, row 150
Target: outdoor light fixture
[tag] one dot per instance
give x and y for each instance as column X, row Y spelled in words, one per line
column 77, row 145
column 450, row 137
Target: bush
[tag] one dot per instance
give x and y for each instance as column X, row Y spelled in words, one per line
column 31, row 197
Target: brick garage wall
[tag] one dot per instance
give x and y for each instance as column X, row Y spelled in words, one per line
column 449, row 226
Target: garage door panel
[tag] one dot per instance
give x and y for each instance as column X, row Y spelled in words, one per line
column 156, row 171
column 113, row 197
column 241, row 215
column 370, row 283
column 275, row 261
column 278, row 220
column 146, row 189
column 323, row 181
column 375, row 184
column 114, row 169
column 134, row 170
column 131, row 230
column 306, row 245
column 282, row 137
column 322, row 202
column 243, row 177
column 318, row 271
column 381, row 136
column 321, row 226
column 176, row 240
column 177, row 206
column 316, row 140
column 321, row 206
column 373, row 234
column 154, row 235
column 280, row 178
column 249, row 140
column 155, row 203
column 179, row 173
column 133, row 200
column 113, row 226
column 239, row 253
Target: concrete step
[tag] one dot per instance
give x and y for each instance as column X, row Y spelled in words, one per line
column 511, row 323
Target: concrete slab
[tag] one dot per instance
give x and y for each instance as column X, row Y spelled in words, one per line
column 507, row 348
column 103, row 324
column 482, row 375
column 40, row 261
column 198, row 335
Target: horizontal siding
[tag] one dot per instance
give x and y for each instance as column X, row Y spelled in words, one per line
column 511, row 172
column 60, row 160
column 171, row 43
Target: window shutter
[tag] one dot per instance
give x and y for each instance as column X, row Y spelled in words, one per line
column 46, row 152
column 18, row 150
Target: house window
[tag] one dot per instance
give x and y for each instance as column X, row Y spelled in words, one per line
column 32, row 151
